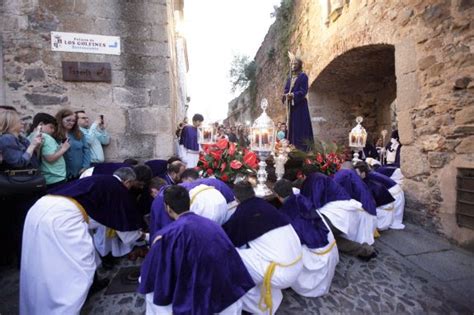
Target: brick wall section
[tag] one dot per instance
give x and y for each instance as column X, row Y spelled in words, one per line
column 140, row 105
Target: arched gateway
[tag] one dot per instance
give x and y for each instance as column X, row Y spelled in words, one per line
column 359, row 82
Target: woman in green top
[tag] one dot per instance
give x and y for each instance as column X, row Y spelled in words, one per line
column 52, row 165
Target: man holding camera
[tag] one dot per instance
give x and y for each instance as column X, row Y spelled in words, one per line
column 96, row 135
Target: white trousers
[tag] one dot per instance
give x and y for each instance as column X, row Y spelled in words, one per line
column 351, row 219
column 319, row 266
column 189, row 157
column 153, row 309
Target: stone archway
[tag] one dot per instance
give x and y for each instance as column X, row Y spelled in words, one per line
column 360, row 82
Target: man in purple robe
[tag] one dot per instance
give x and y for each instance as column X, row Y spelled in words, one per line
column 296, row 88
column 352, row 226
column 320, row 254
column 190, row 175
column 356, row 188
column 58, row 254
column 192, row 266
column 188, row 142
column 212, row 199
column 268, row 246
column 390, row 216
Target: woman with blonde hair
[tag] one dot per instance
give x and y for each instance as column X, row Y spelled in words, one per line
column 16, row 153
column 77, row 157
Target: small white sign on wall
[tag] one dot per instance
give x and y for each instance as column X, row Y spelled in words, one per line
column 85, row 43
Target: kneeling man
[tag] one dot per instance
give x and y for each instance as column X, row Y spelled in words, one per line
column 58, row 257
column 320, row 254
column 268, row 246
column 192, row 267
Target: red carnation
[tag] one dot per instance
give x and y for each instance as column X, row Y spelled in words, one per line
column 224, row 177
column 250, row 159
column 222, row 144
column 319, row 158
column 232, row 147
column 217, row 154
column 203, row 161
column 235, row 164
column 209, row 171
column 223, row 165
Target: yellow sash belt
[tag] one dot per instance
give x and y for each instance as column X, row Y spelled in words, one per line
column 266, row 294
column 110, row 233
column 324, row 252
column 200, row 190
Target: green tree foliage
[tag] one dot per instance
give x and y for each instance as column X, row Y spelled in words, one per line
column 242, row 72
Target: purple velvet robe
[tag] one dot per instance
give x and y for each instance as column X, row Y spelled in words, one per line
column 300, row 128
column 382, row 179
column 321, row 189
column 108, row 168
column 159, row 218
column 253, row 218
column 357, row 189
column 386, row 170
column 158, row 167
column 189, row 138
column 306, row 221
column 105, row 199
column 195, row 267
column 380, row 193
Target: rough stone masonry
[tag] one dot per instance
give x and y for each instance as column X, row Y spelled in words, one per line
column 400, row 64
column 142, row 103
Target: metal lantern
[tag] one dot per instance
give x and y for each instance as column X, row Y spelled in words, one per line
column 206, row 134
column 262, row 143
column 357, row 139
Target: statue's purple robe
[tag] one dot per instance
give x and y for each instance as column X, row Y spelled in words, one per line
column 300, row 128
column 253, row 218
column 105, row 199
column 306, row 221
column 357, row 189
column 321, row 189
column 189, row 138
column 194, row 267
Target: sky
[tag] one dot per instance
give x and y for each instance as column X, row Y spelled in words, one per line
column 215, row 31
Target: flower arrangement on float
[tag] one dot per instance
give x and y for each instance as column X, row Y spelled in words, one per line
column 326, row 158
column 226, row 160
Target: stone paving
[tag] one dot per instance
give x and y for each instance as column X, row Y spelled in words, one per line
column 415, row 273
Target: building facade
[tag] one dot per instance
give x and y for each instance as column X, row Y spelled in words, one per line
column 405, row 65
column 146, row 94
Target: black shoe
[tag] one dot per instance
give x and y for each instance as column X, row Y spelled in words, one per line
column 367, row 258
column 108, row 262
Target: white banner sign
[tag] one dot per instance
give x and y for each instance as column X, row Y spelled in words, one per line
column 85, row 43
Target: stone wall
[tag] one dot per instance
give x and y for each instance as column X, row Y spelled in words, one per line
column 142, row 103
column 408, row 61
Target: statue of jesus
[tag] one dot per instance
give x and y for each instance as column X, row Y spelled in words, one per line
column 299, row 122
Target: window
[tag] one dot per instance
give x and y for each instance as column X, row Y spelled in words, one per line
column 465, row 198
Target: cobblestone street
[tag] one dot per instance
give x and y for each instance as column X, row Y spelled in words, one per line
column 415, row 272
